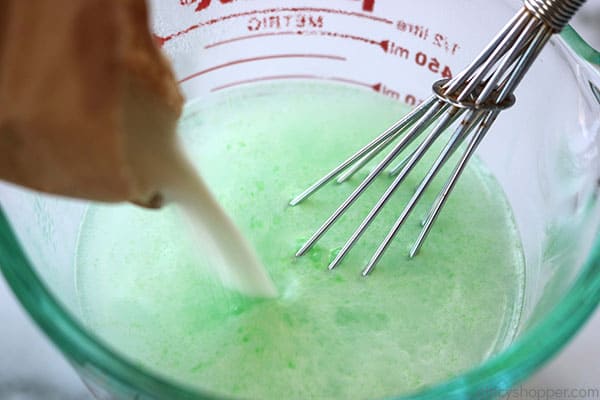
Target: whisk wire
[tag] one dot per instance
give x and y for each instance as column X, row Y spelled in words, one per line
column 487, row 64
column 422, row 123
column 508, row 62
column 507, row 88
column 398, row 168
column 447, row 120
column 393, row 131
column 492, row 48
column 470, row 121
column 476, row 96
column 536, row 46
column 483, row 128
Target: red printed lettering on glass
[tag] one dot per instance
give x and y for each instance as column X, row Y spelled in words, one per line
column 367, row 5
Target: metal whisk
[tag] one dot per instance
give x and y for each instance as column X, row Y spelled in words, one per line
column 472, row 100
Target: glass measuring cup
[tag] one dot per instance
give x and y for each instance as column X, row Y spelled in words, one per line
column 544, row 154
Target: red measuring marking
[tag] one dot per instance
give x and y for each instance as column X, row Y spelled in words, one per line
column 253, row 59
column 163, row 39
column 383, row 44
column 376, row 87
column 368, row 5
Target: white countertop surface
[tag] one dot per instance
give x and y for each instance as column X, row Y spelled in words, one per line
column 31, row 369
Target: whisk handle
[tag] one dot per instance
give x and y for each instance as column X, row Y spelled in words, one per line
column 555, row 13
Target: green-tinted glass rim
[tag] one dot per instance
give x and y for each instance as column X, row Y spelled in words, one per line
column 499, row 373
column 580, row 46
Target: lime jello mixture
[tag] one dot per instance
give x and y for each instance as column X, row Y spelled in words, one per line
column 144, row 290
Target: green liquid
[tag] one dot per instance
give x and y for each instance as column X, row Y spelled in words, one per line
column 143, row 287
